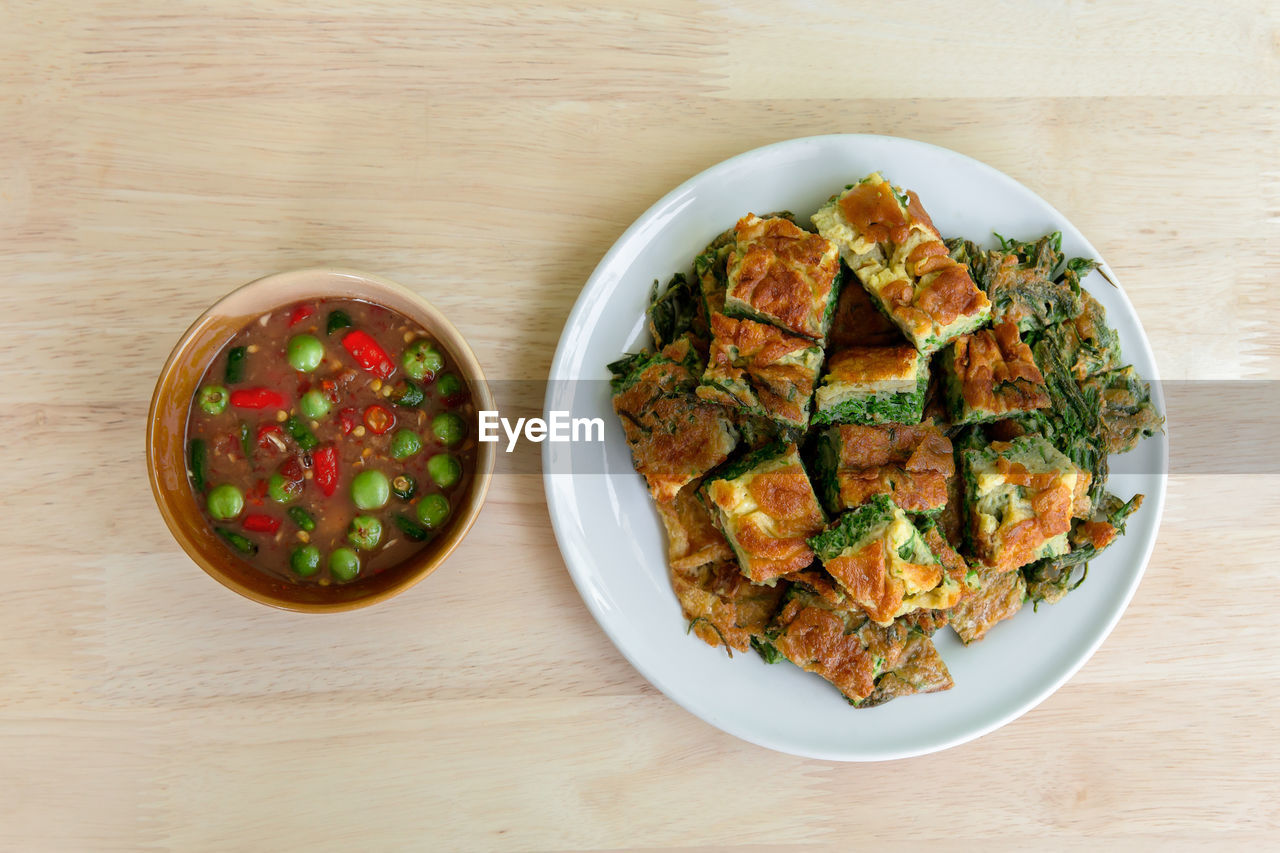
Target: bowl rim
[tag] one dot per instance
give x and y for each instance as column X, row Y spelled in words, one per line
column 439, row 325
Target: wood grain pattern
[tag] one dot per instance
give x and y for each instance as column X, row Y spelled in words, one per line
column 153, row 155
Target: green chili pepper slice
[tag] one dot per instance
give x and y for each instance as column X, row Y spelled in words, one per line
column 407, row 394
column 235, row 540
column 302, row 518
column 403, row 486
column 197, row 454
column 235, row 364
column 301, row 433
column 337, row 320
column 411, row 529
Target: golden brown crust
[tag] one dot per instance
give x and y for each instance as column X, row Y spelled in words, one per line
column 998, row 596
column 951, row 518
column 1080, row 503
column 918, row 669
column 857, row 321
column 786, row 496
column 1099, row 534
column 954, row 565
column 910, row 463
column 814, row 639
column 669, row 458
column 915, row 208
column 722, row 605
column 899, row 655
column 773, row 537
column 1051, row 504
column 1011, row 275
column 944, row 291
column 865, row 576
column 1024, row 495
column 771, row 555
column 914, row 492
column 996, row 371
column 874, row 212
column 947, row 292
column 744, row 352
column 692, row 537
column 920, row 286
column 783, row 271
column 872, row 364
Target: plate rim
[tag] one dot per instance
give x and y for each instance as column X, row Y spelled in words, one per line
column 551, row 489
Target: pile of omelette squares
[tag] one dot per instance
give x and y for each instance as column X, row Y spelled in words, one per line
column 859, row 433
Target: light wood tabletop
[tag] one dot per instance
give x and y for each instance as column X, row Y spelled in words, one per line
column 153, row 155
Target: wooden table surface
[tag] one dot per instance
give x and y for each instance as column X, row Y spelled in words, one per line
column 155, row 154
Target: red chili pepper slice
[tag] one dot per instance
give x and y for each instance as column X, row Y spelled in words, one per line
column 271, row 438
column 326, row 466
column 257, row 398
column 379, row 419
column 301, row 313
column 261, row 523
column 368, row 354
column 348, row 418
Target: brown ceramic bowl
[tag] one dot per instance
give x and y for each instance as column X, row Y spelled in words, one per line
column 177, row 385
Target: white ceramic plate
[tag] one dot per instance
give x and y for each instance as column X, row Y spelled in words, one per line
column 612, row 538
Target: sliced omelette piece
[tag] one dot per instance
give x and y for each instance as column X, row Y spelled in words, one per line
column 692, row 536
column 762, row 369
column 1025, row 281
column 990, row 374
column 912, row 464
column 1125, row 411
column 873, row 385
column 674, row 436
column 778, row 273
column 892, row 246
column 723, row 607
column 868, row 663
column 882, row 563
column 991, row 596
column 767, row 510
column 1021, row 497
